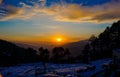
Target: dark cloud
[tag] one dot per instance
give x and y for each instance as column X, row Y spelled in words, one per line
column 9, row 12
column 115, row 15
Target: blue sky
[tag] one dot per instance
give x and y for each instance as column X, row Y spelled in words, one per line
column 49, row 2
column 45, row 20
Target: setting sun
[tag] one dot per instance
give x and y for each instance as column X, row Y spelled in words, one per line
column 59, row 39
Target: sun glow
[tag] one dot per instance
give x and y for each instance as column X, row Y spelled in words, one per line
column 59, row 39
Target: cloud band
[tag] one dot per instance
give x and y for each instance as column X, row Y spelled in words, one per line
column 67, row 12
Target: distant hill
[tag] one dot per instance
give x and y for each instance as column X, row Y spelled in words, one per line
column 35, row 46
column 11, row 54
column 8, row 46
column 24, row 45
column 76, row 47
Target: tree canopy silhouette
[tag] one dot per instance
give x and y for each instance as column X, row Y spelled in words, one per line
column 103, row 45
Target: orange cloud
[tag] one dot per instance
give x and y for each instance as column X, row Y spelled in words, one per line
column 79, row 13
column 0, row 1
column 68, row 12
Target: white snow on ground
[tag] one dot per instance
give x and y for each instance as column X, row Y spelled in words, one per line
column 70, row 70
column 98, row 65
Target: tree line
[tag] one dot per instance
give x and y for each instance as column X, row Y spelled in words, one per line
column 11, row 54
column 101, row 47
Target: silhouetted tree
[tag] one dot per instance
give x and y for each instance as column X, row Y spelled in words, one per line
column 92, row 38
column 108, row 40
column 67, row 55
column 86, row 53
column 44, row 55
column 57, row 54
column 31, row 54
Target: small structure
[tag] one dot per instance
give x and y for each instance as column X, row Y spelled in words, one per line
column 116, row 56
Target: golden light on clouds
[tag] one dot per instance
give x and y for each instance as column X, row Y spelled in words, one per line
column 68, row 12
column 0, row 1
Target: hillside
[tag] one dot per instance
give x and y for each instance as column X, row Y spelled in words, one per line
column 11, row 54
column 76, row 47
column 103, row 45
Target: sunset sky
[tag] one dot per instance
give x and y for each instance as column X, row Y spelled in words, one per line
column 46, row 20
